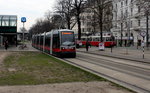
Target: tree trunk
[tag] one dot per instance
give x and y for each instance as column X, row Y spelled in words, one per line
column 79, row 27
column 147, row 27
column 101, row 29
column 68, row 22
column 101, row 24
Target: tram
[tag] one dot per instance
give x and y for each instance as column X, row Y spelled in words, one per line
column 109, row 41
column 60, row 43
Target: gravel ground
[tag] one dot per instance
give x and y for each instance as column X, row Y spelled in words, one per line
column 76, row 87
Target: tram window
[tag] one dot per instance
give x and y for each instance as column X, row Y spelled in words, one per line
column 47, row 41
column 107, row 39
column 41, row 40
column 37, row 40
column 56, row 41
column 104, row 39
column 83, row 39
column 67, row 39
column 95, row 39
column 90, row 39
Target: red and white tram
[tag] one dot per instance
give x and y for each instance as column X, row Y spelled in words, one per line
column 59, row 43
column 95, row 40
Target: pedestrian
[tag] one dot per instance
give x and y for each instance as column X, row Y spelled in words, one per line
column 6, row 44
column 87, row 45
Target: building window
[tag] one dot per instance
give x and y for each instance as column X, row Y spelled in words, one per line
column 139, row 9
column 126, row 24
column 121, row 4
column 126, row 13
column 82, row 29
column 131, row 24
column 126, row 2
column 131, row 11
column 116, row 25
column 122, row 14
column 139, row 22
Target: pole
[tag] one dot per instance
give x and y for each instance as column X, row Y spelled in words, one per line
column 143, row 47
column 111, row 48
column 23, row 33
column 121, row 35
column 137, row 41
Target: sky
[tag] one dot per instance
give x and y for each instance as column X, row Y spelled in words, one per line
column 31, row 9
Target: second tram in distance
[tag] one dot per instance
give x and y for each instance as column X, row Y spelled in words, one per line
column 59, row 43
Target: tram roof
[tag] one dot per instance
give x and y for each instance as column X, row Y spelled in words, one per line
column 65, row 30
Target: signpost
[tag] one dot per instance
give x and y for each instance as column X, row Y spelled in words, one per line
column 23, row 20
column 143, row 34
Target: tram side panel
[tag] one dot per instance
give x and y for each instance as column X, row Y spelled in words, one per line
column 56, row 45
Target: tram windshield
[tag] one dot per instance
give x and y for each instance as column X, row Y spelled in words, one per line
column 67, row 38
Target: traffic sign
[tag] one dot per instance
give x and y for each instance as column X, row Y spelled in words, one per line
column 23, row 19
column 143, row 33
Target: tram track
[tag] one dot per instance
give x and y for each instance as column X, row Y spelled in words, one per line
column 118, row 67
column 138, row 71
column 112, row 68
column 117, row 62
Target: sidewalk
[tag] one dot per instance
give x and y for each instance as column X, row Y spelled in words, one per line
column 130, row 53
column 14, row 48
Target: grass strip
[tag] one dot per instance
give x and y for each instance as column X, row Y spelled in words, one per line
column 32, row 68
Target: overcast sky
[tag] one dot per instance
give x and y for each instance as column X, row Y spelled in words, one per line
column 31, row 9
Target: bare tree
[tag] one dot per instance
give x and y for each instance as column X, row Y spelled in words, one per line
column 103, row 12
column 48, row 15
column 78, row 7
column 94, row 23
column 64, row 7
column 41, row 26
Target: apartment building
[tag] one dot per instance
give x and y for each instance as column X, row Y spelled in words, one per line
column 128, row 21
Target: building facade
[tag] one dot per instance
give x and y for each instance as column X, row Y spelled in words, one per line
column 129, row 21
column 8, row 29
